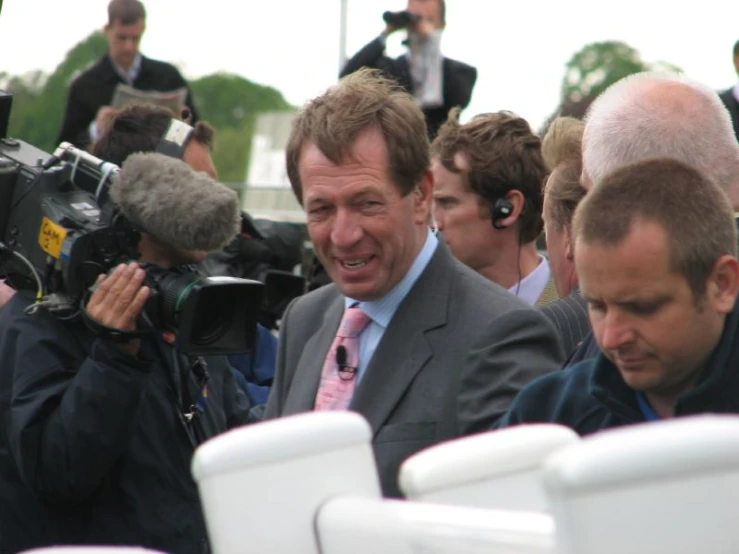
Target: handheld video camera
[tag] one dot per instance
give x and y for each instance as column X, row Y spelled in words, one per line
column 59, row 230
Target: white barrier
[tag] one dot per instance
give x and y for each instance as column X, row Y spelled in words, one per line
column 371, row 526
column 498, row 469
column 658, row 487
column 91, row 550
column 261, row 485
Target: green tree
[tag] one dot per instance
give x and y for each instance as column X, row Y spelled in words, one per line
column 593, row 69
column 38, row 99
column 231, row 103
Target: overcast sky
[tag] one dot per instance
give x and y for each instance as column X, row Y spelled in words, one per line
column 519, row 48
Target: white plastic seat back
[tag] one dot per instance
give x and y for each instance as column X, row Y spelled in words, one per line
column 498, row 469
column 659, row 487
column 370, row 526
column 91, row 550
column 261, row 485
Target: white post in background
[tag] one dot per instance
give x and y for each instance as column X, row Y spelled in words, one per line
column 342, row 34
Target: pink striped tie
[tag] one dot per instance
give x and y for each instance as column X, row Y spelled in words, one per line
column 337, row 384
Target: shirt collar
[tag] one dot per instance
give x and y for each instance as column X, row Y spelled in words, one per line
column 133, row 72
column 382, row 310
column 530, row 287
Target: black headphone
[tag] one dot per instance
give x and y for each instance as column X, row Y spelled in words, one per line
column 501, row 210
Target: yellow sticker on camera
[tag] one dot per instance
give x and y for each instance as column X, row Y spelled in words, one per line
column 51, row 237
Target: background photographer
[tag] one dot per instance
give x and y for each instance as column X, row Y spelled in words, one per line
column 437, row 83
column 96, row 435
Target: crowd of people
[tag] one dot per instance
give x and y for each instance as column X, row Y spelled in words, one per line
column 438, row 317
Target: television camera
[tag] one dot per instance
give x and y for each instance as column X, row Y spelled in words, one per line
column 59, row 230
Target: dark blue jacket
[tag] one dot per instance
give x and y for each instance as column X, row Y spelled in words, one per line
column 94, row 447
column 254, row 371
column 591, row 395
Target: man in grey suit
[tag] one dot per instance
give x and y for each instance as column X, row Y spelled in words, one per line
column 444, row 350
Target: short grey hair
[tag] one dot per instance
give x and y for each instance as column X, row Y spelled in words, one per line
column 651, row 115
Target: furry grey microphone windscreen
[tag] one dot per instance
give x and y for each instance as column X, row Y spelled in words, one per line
column 179, row 206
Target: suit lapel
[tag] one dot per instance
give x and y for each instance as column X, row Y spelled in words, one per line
column 307, row 375
column 404, row 348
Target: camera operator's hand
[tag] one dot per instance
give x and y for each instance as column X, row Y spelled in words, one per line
column 118, row 300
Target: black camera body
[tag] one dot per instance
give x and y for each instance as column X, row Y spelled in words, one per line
column 50, row 217
column 401, row 19
column 59, row 230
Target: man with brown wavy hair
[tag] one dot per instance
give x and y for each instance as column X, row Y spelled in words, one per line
column 441, row 351
column 487, row 194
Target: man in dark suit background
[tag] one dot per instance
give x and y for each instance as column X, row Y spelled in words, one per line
column 88, row 102
column 730, row 97
column 561, row 196
column 437, row 83
column 562, row 151
column 443, row 350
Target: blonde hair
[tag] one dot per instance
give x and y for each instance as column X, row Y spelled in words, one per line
column 562, row 141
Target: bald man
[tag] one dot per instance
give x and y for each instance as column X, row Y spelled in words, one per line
column 650, row 115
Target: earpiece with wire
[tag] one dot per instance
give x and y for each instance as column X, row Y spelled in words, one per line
column 501, row 210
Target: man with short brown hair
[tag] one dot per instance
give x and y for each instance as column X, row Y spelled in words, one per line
column 661, row 279
column 88, row 107
column 488, row 175
column 419, row 344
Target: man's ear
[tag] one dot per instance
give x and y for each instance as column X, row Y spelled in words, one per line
column 422, row 194
column 518, row 202
column 569, row 249
column 723, row 284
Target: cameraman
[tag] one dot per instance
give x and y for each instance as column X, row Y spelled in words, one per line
column 97, row 436
column 437, row 83
column 139, row 129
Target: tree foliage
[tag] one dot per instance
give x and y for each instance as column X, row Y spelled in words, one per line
column 594, row 68
column 38, row 98
column 229, row 102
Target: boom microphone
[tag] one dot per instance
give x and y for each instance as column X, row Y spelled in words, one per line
column 184, row 208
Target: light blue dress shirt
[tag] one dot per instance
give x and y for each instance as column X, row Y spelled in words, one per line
column 382, row 310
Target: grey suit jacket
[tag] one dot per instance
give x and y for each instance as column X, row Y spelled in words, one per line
column 454, row 355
